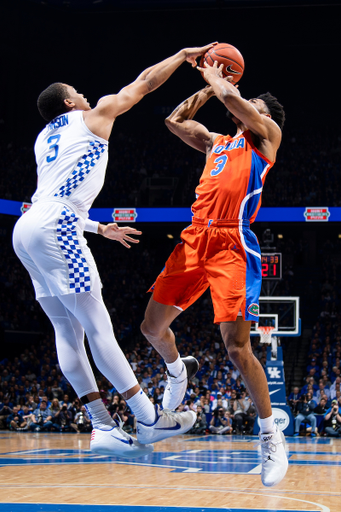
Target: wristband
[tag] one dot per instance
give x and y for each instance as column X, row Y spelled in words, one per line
column 91, row 226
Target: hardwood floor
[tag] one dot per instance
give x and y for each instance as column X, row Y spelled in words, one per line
column 40, row 471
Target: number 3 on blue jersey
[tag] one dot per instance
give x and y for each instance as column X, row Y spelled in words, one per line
column 221, row 162
column 53, row 140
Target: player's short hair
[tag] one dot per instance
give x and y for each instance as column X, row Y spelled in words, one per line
column 276, row 110
column 50, row 102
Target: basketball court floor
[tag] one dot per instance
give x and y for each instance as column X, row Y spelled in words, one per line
column 57, row 473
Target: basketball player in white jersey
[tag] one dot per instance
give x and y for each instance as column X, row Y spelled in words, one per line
column 71, row 154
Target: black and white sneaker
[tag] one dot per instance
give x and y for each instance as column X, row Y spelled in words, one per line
column 176, row 386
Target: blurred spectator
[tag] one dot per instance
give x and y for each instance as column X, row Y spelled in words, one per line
column 305, row 414
column 332, row 420
column 158, row 395
column 293, row 400
column 319, row 412
column 114, row 405
column 322, row 390
column 5, row 411
column 31, row 404
column 125, row 416
column 220, row 402
column 200, row 424
column 82, row 422
column 65, row 401
column 41, row 418
column 220, row 422
column 63, row 419
column 54, row 411
column 243, row 414
column 321, row 407
column 15, row 419
column 335, row 387
column 310, row 384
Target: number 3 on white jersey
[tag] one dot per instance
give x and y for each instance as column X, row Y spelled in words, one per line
column 53, row 141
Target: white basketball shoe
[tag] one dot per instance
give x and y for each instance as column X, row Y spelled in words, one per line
column 275, row 461
column 166, row 424
column 176, row 386
column 117, row 443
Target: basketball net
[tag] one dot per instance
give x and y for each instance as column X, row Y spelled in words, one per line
column 265, row 332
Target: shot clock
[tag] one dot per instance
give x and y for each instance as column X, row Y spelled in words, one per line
column 272, row 265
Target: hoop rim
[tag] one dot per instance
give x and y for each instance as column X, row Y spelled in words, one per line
column 265, row 329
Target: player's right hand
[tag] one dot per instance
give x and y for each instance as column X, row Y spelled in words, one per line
column 193, row 53
column 121, row 234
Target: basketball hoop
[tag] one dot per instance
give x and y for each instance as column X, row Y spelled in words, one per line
column 265, row 332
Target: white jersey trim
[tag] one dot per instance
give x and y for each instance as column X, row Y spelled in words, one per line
column 241, row 211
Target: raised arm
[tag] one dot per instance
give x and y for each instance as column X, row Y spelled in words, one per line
column 100, row 120
column 180, row 122
column 260, row 125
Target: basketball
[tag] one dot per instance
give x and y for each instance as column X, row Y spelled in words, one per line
column 227, row 55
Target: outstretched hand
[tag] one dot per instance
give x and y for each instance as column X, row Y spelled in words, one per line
column 214, row 70
column 193, row 53
column 113, row 232
column 208, row 71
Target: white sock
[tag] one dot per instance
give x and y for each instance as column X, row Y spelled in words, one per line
column 142, row 407
column 174, row 369
column 99, row 416
column 267, row 425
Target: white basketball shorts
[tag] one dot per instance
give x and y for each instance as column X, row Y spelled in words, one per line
column 49, row 241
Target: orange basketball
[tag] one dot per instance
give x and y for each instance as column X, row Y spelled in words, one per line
column 227, row 55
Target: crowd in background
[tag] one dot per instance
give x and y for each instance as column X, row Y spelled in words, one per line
column 306, row 171
column 35, row 396
column 317, row 404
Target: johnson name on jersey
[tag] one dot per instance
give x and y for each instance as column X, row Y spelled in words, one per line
column 71, row 162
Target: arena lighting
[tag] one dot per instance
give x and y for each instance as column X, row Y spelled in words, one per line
column 279, row 235
column 339, row 235
column 170, row 236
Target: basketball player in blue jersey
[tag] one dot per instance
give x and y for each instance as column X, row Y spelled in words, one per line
column 71, row 154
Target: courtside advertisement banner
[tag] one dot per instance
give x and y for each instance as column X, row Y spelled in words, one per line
column 132, row 214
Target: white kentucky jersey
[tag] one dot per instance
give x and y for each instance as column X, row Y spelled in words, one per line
column 71, row 162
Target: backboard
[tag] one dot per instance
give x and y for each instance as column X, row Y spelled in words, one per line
column 283, row 313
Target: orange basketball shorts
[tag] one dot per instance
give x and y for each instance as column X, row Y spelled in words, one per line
column 223, row 255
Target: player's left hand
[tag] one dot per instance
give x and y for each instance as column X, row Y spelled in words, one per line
column 214, row 70
column 113, row 232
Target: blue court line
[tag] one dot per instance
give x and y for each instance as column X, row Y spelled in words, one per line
column 203, row 453
column 31, row 507
column 253, row 439
column 204, row 461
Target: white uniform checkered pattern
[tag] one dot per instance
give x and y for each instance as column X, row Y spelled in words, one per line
column 71, row 162
column 83, row 168
column 71, row 166
column 79, row 274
